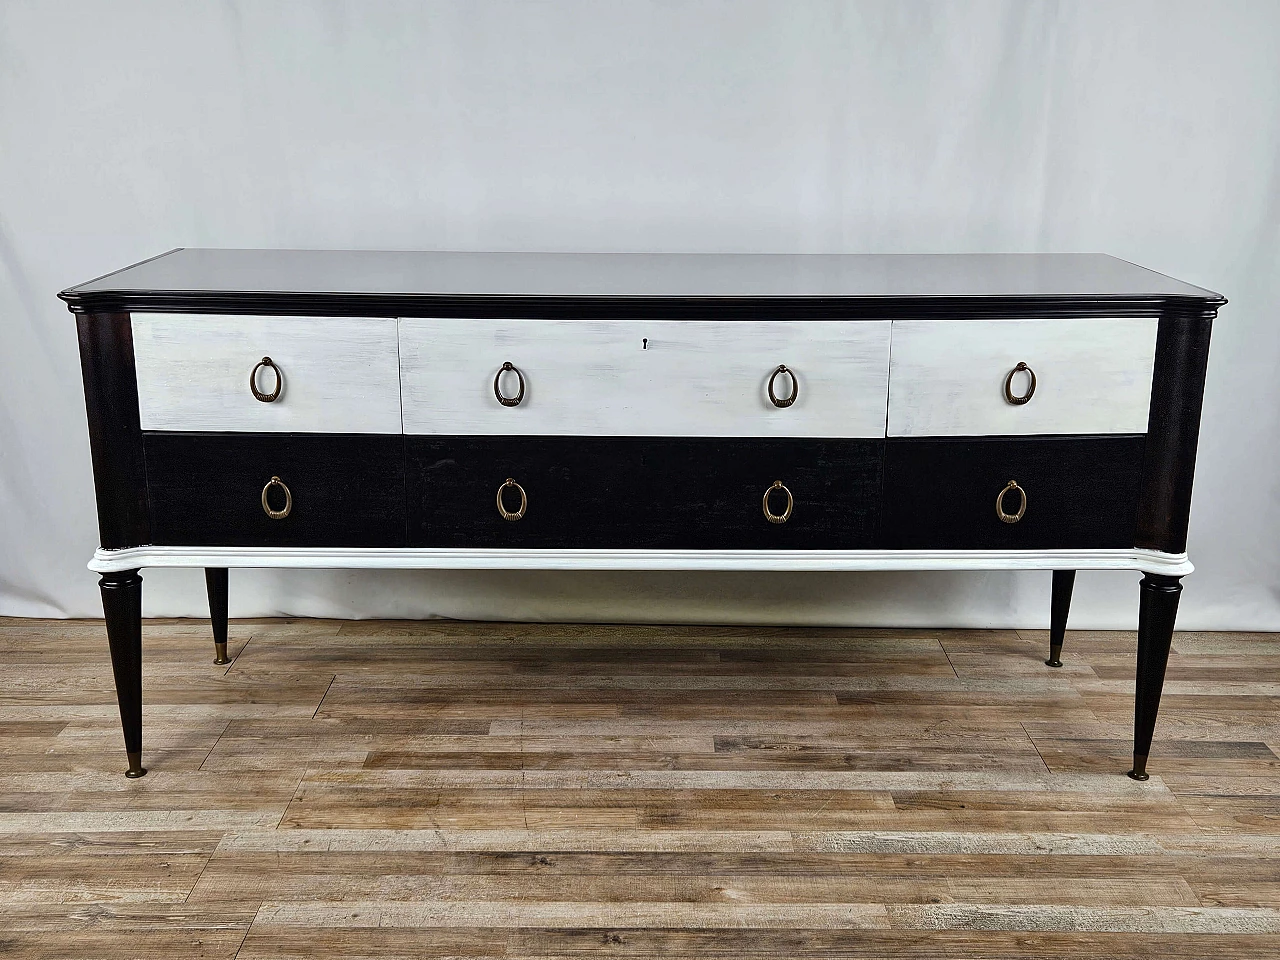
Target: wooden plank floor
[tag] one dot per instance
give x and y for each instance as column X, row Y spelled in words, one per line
column 439, row 789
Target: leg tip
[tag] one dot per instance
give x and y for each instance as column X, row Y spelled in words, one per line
column 220, row 654
column 1055, row 655
column 1140, row 775
column 1139, row 771
column 136, row 769
column 1053, row 663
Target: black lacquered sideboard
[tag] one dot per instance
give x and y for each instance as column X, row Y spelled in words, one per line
column 360, row 409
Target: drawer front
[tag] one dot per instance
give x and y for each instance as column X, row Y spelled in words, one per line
column 638, row 378
column 1081, row 492
column 639, row 493
column 343, row 490
column 947, row 377
column 337, row 375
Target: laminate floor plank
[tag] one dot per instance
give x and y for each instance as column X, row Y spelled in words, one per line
column 297, row 881
column 446, row 789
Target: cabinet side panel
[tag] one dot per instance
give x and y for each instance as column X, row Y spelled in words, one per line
column 1169, row 463
column 115, row 436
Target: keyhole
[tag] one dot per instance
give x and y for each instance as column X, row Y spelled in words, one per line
column 645, row 341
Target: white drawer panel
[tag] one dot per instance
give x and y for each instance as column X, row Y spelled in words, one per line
column 644, row 378
column 1092, row 376
column 341, row 375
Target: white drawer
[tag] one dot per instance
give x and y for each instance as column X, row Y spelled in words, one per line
column 947, row 377
column 339, row 375
column 644, row 378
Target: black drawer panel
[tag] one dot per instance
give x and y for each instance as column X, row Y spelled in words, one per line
column 643, row 493
column 206, row 489
column 707, row 494
column 1082, row 492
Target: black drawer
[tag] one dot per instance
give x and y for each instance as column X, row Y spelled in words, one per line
column 643, row 493
column 1081, row 492
column 206, row 489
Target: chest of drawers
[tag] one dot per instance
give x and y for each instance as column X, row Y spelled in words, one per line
column 631, row 412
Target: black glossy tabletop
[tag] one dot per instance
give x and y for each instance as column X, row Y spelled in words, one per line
column 637, row 275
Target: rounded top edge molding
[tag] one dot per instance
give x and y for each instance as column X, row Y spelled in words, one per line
column 635, row 308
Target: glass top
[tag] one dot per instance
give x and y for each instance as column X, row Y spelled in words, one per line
column 639, row 275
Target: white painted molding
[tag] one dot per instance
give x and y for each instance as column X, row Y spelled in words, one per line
column 439, row 558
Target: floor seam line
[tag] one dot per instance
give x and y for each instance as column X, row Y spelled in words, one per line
column 292, row 797
column 239, row 654
column 247, row 928
column 216, row 740
column 203, row 868
column 1034, row 746
column 316, row 712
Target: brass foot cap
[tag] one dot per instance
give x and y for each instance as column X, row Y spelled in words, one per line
column 220, row 653
column 136, row 769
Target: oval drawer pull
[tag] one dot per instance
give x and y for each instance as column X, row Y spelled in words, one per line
column 524, row 501
column 1009, row 395
column 787, row 401
column 497, row 387
column 288, row 500
column 1009, row 487
column 785, row 515
column 253, row 381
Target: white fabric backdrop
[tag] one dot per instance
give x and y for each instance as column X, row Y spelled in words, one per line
column 1147, row 130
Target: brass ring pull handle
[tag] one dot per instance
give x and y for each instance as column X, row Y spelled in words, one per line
column 524, row 501
column 253, row 381
column 497, row 387
column 1009, row 395
column 785, row 515
column 288, row 500
column 1022, row 505
column 778, row 401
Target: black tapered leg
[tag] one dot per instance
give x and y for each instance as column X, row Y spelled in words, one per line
column 122, row 605
column 1156, row 612
column 215, row 581
column 1059, row 607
